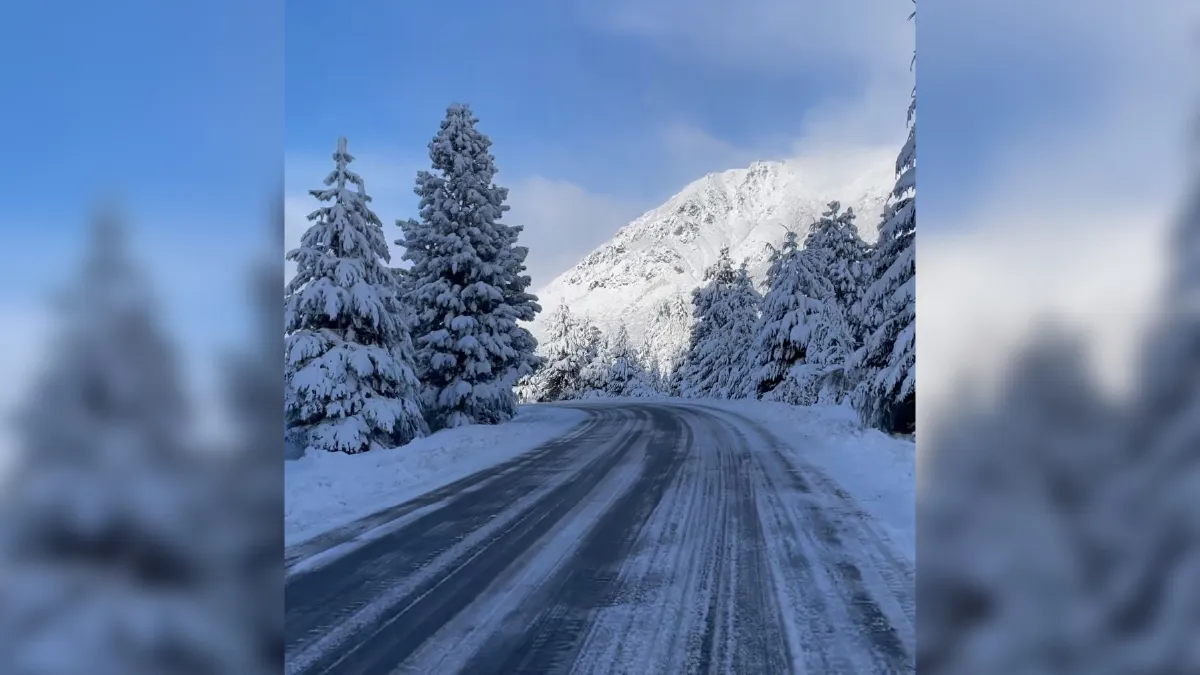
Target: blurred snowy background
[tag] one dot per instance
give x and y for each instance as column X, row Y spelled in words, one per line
column 1058, row 481
column 141, row 487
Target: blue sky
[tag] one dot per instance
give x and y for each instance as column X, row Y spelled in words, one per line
column 177, row 108
column 559, row 94
column 608, row 109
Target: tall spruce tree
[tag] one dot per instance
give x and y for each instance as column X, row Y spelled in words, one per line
column 886, row 395
column 552, row 379
column 791, row 310
column 567, row 351
column 591, row 343
column 840, row 255
column 524, row 360
column 671, row 320
column 623, row 373
column 349, row 377
column 655, row 377
column 743, row 304
column 699, row 367
column 725, row 311
column 114, row 560
column 468, row 287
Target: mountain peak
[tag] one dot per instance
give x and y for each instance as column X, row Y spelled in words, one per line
column 639, row 277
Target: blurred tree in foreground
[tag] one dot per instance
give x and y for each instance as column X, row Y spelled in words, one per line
column 1059, row 531
column 124, row 548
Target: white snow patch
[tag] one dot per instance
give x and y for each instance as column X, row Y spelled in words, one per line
column 877, row 470
column 650, row 266
column 325, row 490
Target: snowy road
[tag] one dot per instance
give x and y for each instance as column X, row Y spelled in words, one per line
column 652, row 538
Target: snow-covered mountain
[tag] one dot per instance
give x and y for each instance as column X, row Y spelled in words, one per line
column 644, row 275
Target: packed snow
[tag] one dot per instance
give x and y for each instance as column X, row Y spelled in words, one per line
column 663, row 535
column 324, row 490
column 877, row 469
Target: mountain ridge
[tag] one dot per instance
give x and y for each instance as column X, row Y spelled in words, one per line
column 643, row 276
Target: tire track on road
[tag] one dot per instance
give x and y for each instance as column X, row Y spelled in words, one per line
column 819, row 530
column 299, row 552
column 449, row 586
column 559, row 615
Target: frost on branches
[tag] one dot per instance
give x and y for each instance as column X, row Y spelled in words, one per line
column 570, row 347
column 801, row 337
column 349, row 377
column 839, row 254
column 886, row 395
column 725, row 311
column 617, row 371
column 468, row 288
column 112, row 548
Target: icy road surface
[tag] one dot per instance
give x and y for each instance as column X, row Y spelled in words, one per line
column 652, row 538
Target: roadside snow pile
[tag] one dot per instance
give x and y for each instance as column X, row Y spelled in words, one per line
column 879, row 471
column 325, row 490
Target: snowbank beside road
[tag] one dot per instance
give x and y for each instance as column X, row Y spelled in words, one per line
column 326, row 490
column 879, row 471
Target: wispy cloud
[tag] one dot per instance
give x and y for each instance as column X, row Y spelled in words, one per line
column 563, row 222
column 1068, row 218
column 767, row 36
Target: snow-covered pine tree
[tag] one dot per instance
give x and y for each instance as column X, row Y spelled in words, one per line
column 673, row 370
column 698, row 370
column 840, row 255
column 725, row 311
column 594, row 376
column 566, row 351
column 625, row 371
column 653, row 382
column 654, row 370
column 644, row 384
column 349, row 377
column 823, row 375
column 671, row 324
column 524, row 360
column 887, row 360
column 791, row 310
column 113, row 561
column 743, row 304
column 468, row 286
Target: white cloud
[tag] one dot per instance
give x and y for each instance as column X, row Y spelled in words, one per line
column 836, row 132
column 563, row 222
column 1071, row 224
column 982, row 295
column 875, row 116
column 870, row 41
column 767, row 36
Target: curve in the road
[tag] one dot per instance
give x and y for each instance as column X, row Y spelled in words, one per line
column 653, row 538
